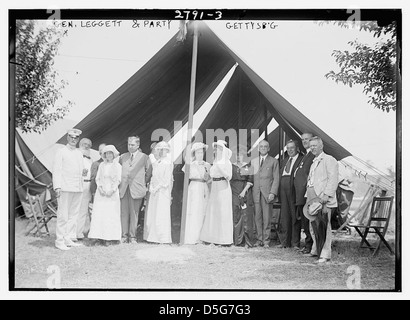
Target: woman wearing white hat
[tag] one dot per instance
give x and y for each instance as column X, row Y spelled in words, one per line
column 218, row 224
column 106, row 216
column 158, row 217
column 198, row 192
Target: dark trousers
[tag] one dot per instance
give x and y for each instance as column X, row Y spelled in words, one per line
column 130, row 209
column 305, row 227
column 289, row 224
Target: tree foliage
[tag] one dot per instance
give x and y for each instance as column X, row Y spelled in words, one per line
column 374, row 67
column 38, row 88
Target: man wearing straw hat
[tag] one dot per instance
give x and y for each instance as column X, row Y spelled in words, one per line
column 321, row 199
column 68, row 184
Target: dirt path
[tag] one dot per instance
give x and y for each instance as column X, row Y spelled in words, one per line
column 149, row 266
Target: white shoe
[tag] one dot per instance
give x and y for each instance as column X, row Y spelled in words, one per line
column 70, row 243
column 62, row 247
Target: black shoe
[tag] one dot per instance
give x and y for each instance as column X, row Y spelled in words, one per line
column 305, row 250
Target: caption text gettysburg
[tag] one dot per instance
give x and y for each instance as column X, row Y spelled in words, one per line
column 155, row 24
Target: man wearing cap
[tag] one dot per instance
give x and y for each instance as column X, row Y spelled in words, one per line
column 68, row 184
column 133, row 187
column 265, row 191
column 290, row 223
column 83, row 221
column 299, row 185
column 321, row 185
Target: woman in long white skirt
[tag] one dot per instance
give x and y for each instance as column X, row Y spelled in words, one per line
column 158, row 216
column 106, row 215
column 198, row 193
column 218, row 225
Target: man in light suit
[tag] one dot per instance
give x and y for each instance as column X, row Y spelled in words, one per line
column 135, row 165
column 322, row 183
column 265, row 191
column 83, row 220
column 299, row 184
column 68, row 171
column 290, row 223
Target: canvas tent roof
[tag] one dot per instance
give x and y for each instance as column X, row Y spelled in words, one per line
column 29, row 171
column 158, row 94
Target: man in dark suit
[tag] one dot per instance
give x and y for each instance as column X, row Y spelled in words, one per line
column 265, row 190
column 93, row 171
column 133, row 187
column 299, row 183
column 290, row 224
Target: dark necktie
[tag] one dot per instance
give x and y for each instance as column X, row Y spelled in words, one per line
column 261, row 163
column 132, row 157
column 288, row 164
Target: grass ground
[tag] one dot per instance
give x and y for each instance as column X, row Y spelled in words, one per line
column 150, row 266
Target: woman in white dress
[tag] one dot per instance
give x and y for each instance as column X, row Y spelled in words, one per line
column 198, row 193
column 106, row 216
column 218, row 225
column 158, row 223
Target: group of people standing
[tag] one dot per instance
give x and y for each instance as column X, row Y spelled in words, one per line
column 228, row 202
column 117, row 187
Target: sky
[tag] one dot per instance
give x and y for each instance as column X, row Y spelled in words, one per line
column 293, row 58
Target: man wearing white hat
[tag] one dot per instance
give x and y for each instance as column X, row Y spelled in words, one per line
column 68, row 184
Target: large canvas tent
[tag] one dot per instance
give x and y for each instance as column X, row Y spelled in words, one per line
column 158, row 94
column 31, row 176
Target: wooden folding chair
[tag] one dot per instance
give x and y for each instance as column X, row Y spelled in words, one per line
column 377, row 224
column 43, row 211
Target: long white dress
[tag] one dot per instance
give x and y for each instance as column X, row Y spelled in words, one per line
column 106, row 215
column 198, row 196
column 218, row 225
column 158, row 222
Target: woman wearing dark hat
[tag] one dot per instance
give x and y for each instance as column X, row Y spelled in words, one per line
column 106, row 219
column 218, row 224
column 242, row 200
column 198, row 193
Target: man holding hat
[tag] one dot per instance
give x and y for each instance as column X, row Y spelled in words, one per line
column 68, row 172
column 321, row 195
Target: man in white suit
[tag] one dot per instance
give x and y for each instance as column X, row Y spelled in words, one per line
column 68, row 184
column 322, row 183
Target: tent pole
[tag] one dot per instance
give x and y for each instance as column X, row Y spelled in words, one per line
column 240, row 103
column 266, row 118
column 280, row 145
column 189, row 134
